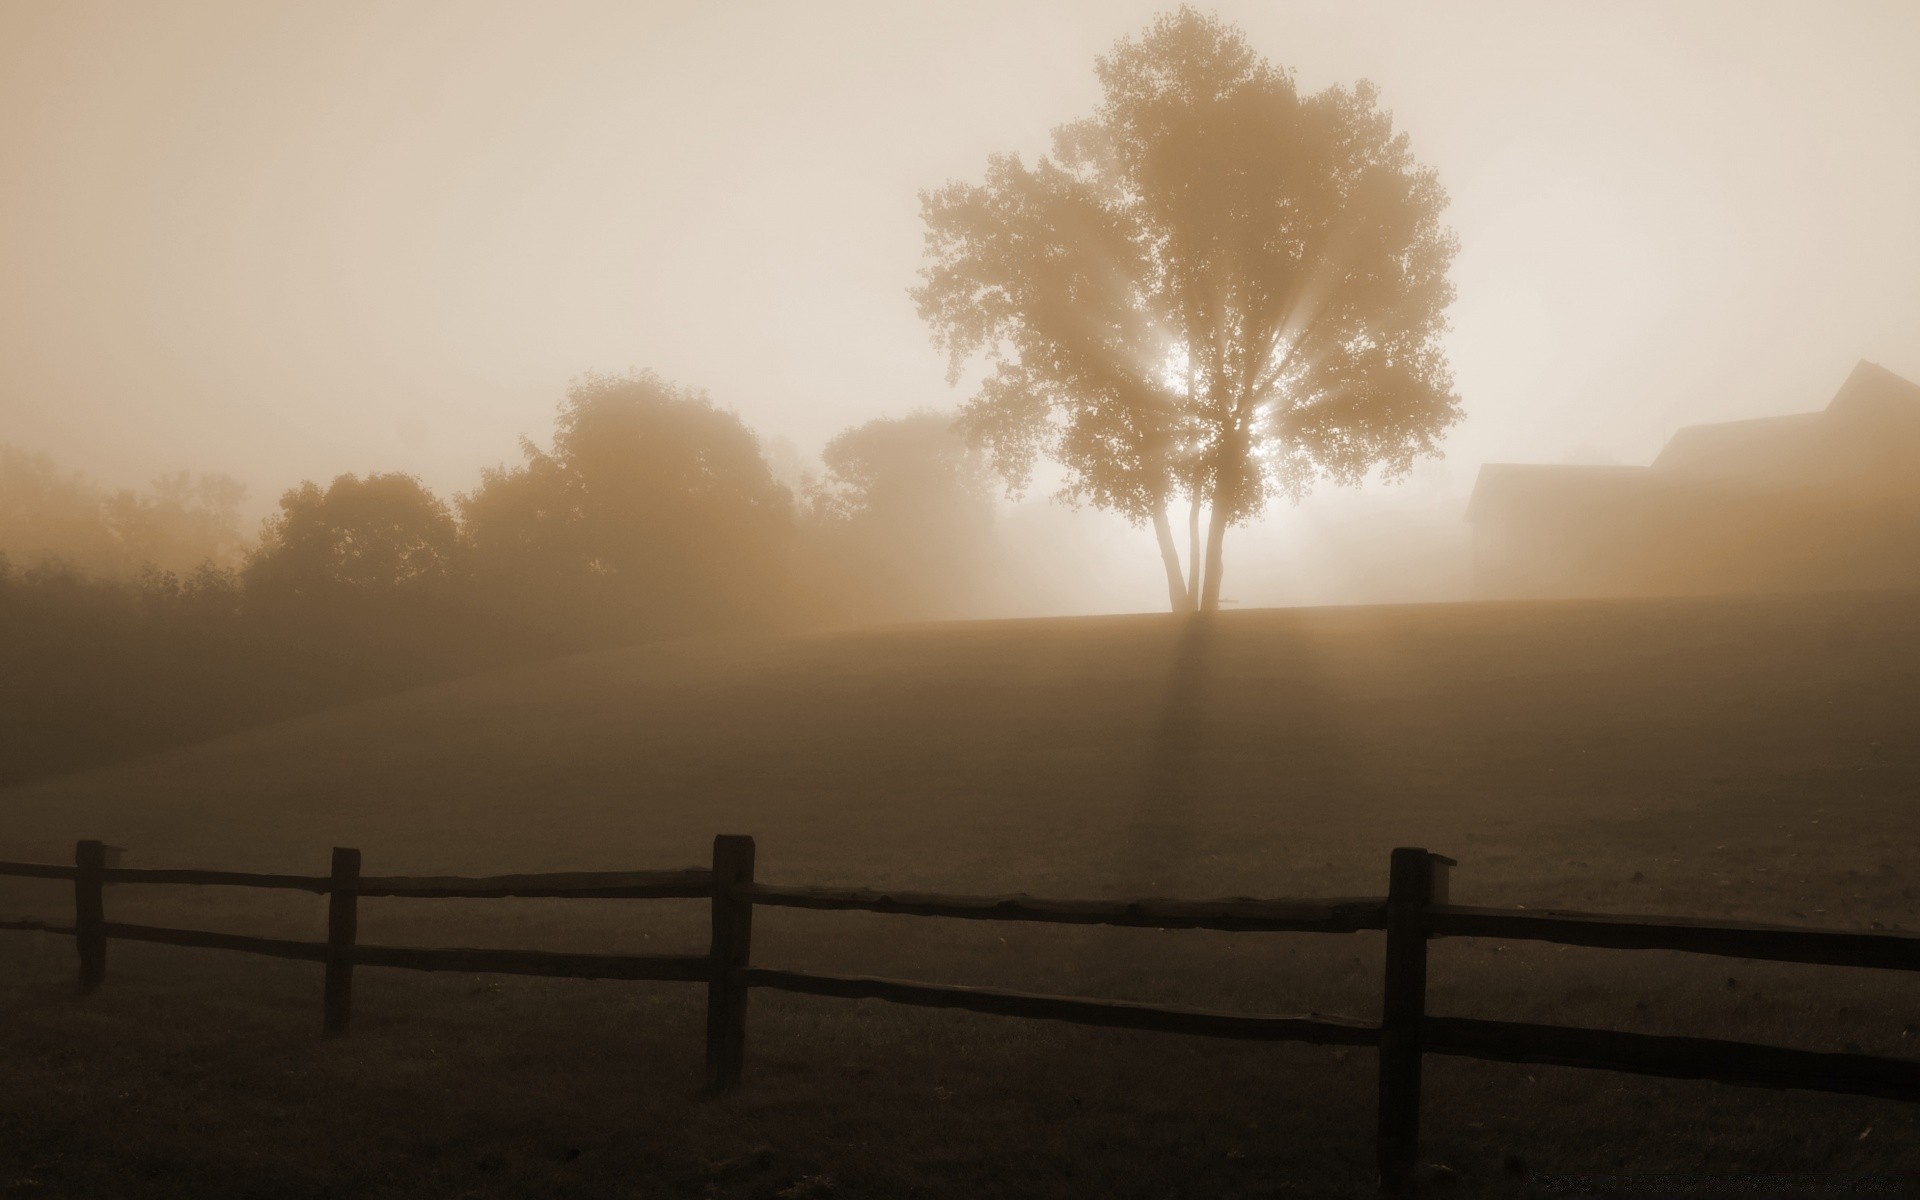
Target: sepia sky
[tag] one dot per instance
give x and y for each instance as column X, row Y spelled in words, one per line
column 287, row 241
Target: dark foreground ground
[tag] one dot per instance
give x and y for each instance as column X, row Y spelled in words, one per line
column 1753, row 759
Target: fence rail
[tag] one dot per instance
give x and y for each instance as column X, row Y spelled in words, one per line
column 1273, row 916
column 1415, row 911
column 1120, row 1014
column 250, row 879
column 1674, row 1057
column 692, row 883
column 1733, row 939
column 26, row 870
column 690, row 968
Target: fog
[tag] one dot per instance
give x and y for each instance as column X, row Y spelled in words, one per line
column 1179, row 565
column 285, row 242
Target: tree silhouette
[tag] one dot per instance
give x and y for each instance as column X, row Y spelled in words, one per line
column 369, row 536
column 1215, row 289
column 905, row 518
column 653, row 509
column 909, row 469
column 182, row 522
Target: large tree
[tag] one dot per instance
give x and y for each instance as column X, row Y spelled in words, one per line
column 1216, row 289
column 372, row 537
column 904, row 519
column 652, row 510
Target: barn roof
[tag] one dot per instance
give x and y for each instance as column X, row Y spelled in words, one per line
column 1871, row 426
column 1763, row 446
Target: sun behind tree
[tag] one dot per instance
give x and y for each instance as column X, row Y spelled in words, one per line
column 1215, row 289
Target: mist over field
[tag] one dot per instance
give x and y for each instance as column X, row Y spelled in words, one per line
column 282, row 245
column 786, row 602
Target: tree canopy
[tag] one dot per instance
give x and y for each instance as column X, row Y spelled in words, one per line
column 367, row 536
column 182, row 522
column 905, row 516
column 911, row 469
column 652, row 509
column 1214, row 289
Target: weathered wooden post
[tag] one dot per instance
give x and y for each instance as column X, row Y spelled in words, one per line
column 1417, row 879
column 732, row 942
column 89, row 912
column 343, row 925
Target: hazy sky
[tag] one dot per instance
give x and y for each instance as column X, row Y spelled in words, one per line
column 287, row 241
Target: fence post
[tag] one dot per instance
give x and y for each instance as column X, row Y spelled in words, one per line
column 343, row 925
column 732, row 940
column 89, row 910
column 1417, row 879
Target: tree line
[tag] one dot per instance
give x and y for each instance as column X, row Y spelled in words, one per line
column 131, row 620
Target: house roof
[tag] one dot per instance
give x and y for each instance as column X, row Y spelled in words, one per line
column 1871, row 427
column 1763, row 446
column 1873, row 392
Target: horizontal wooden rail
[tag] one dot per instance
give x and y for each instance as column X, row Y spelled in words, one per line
column 37, row 925
column 691, row 883
column 1324, row 1030
column 1745, row 1063
column 246, row 944
column 1278, row 916
column 1735, row 939
column 181, row 875
column 27, row 870
column 656, row 885
column 689, row 967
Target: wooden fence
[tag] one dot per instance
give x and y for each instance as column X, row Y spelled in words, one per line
column 1414, row 911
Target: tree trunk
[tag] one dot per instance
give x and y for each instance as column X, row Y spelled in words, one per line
column 1193, row 546
column 1216, row 534
column 1193, row 499
column 1178, row 597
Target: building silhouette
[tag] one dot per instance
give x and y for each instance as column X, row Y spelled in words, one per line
column 1815, row 501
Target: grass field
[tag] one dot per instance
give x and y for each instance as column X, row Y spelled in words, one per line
column 1753, row 759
